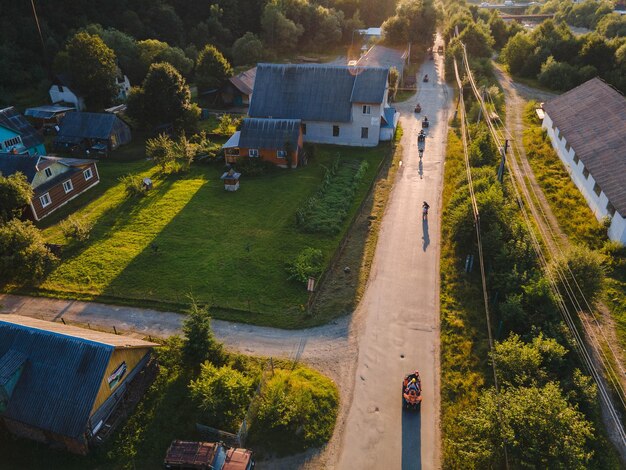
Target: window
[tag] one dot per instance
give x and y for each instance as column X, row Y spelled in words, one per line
column 304, row 129
column 364, row 132
column 567, row 146
column 87, row 174
column 68, row 186
column 367, row 109
column 610, row 209
column 48, row 172
column 60, row 88
column 558, row 134
column 597, row 189
column 253, row 152
column 576, row 159
column 335, row 131
column 11, row 142
column 585, row 173
column 45, row 200
column 281, row 154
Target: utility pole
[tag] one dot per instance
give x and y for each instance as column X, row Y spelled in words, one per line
column 502, row 161
column 43, row 45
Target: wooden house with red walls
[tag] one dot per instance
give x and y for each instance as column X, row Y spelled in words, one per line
column 274, row 140
column 55, row 181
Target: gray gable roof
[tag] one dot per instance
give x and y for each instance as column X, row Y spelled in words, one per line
column 14, row 121
column 92, row 126
column 60, row 381
column 592, row 119
column 315, row 92
column 269, row 133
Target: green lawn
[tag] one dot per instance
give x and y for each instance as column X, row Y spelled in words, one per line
column 228, row 249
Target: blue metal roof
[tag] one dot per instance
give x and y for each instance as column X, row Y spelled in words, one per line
column 388, row 115
column 14, row 121
column 314, row 92
column 9, row 363
column 47, row 111
column 26, row 164
column 92, row 126
column 60, row 380
column 269, row 133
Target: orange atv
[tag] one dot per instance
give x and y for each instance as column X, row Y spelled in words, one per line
column 412, row 392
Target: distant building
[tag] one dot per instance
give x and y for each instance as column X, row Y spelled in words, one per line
column 47, row 116
column 91, row 134
column 55, row 181
column 337, row 104
column 238, row 89
column 123, row 86
column 17, row 135
column 587, row 127
column 275, row 140
column 61, row 91
column 60, row 384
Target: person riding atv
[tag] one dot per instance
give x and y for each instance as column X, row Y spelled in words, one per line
column 421, row 137
column 418, row 108
column 412, row 391
column 425, row 122
column 426, row 78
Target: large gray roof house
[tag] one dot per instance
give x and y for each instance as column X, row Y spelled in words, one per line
column 336, row 104
column 587, row 126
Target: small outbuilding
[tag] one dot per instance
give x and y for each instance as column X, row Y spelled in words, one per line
column 275, row 140
column 91, row 134
column 61, row 91
column 60, row 384
column 237, row 91
column 48, row 116
column 231, row 180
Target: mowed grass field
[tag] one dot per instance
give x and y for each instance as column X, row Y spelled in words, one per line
column 190, row 237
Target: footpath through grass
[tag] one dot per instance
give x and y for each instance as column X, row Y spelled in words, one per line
column 574, row 215
column 189, row 236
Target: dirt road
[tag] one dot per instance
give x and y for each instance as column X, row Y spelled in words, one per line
column 401, row 305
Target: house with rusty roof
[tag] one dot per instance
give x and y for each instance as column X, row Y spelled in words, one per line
column 17, row 136
column 336, row 104
column 60, row 384
column 278, row 141
column 587, row 127
column 55, row 181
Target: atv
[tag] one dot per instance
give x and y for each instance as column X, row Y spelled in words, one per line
column 412, row 392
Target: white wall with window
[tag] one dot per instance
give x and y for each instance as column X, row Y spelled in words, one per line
column 589, row 188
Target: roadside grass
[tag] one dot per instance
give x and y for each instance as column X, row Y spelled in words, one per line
column 189, row 236
column 573, row 213
column 404, row 95
column 341, row 291
column 464, row 343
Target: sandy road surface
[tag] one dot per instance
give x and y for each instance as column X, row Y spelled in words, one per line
column 401, row 305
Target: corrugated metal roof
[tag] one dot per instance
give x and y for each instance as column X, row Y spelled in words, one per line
column 233, row 141
column 269, row 133
column 9, row 363
column 14, row 121
column 47, row 111
column 92, row 126
column 118, row 341
column 62, row 374
column 314, row 92
column 244, row 81
column 592, row 118
column 389, row 114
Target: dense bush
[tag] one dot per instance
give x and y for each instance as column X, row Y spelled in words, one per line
column 24, row 256
column 15, row 194
column 77, row 229
column 200, row 344
column 296, row 410
column 223, row 395
column 308, row 263
column 254, row 166
column 326, row 210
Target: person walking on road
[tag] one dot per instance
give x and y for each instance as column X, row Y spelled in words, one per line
column 425, row 208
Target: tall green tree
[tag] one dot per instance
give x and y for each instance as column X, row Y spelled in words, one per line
column 279, row 32
column 91, row 65
column 212, row 68
column 248, row 50
column 15, row 194
column 199, row 343
column 164, row 97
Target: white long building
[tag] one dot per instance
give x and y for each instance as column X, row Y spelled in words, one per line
column 587, row 127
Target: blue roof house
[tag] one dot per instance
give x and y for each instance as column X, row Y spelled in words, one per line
column 17, row 136
column 337, row 104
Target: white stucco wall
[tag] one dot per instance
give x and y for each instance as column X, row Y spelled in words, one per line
column 598, row 204
column 349, row 132
column 60, row 93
